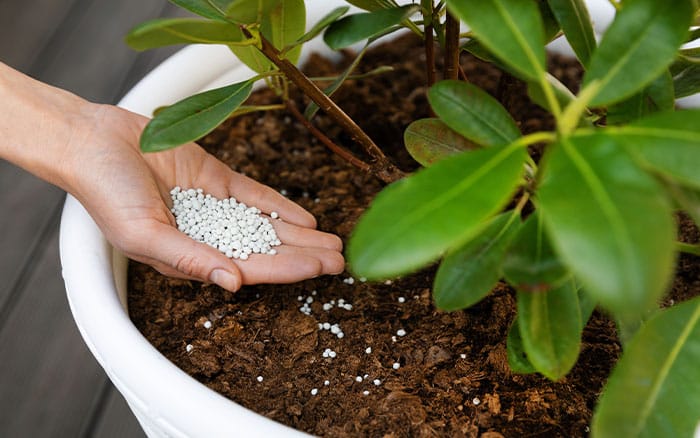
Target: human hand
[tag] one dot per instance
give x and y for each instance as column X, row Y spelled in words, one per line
column 127, row 194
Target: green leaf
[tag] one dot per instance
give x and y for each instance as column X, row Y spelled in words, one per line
column 373, row 5
column 430, row 140
column 413, row 221
column 250, row 11
column 686, row 80
column 654, row 390
column 550, row 25
column 575, row 21
column 639, row 45
column 281, row 26
column 473, row 113
column 550, row 329
column 287, row 24
column 688, row 200
column 561, row 93
column 215, row 9
column 363, row 26
column 694, row 34
column 609, row 221
column 321, row 25
column 658, row 96
column 193, row 117
column 313, row 107
column 469, row 273
column 510, row 29
column 587, row 305
column 517, row 357
column 530, row 264
column 667, row 142
column 167, row 31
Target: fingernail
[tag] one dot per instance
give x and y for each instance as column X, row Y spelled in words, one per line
column 224, row 279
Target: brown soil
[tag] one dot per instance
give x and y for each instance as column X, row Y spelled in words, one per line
column 454, row 378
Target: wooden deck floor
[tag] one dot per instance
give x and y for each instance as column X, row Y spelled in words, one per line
column 50, row 385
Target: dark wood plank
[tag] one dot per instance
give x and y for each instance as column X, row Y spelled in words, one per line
column 90, row 58
column 26, row 26
column 150, row 59
column 28, row 204
column 47, row 375
column 116, row 421
column 49, row 383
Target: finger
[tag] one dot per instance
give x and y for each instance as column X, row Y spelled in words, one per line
column 171, row 272
column 251, row 192
column 190, row 258
column 306, row 237
column 290, row 264
column 332, row 262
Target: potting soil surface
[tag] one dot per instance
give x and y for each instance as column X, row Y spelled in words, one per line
column 453, row 377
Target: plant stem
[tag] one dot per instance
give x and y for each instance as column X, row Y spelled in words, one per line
column 342, row 152
column 462, row 74
column 451, row 47
column 380, row 166
column 535, row 137
column 688, row 248
column 429, row 42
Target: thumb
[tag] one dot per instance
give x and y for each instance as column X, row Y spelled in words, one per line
column 191, row 258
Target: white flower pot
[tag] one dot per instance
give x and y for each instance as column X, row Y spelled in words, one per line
column 166, row 401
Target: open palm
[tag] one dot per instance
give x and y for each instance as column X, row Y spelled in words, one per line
column 129, row 199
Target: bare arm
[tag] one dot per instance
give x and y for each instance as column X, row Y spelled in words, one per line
column 91, row 151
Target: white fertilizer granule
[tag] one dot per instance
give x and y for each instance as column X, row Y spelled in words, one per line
column 225, row 224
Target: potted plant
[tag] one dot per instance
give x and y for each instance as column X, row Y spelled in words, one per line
column 602, row 185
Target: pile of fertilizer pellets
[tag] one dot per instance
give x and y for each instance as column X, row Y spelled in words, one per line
column 225, row 224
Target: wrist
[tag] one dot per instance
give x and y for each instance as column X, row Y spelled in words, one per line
column 41, row 126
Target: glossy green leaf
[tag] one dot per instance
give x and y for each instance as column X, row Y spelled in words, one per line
column 667, row 142
column 658, row 96
column 287, row 24
column 283, row 25
column 430, row 140
column 587, row 305
column 686, row 80
column 473, row 113
column 694, row 34
column 250, row 11
column 321, row 25
column 215, row 9
column 413, row 221
column 470, row 272
column 563, row 95
column 550, row 329
column 193, row 117
column 530, row 264
column 575, row 21
column 510, row 29
column 688, row 200
column 313, row 107
column 639, row 45
column 550, row 25
column 168, row 31
column 373, row 5
column 360, row 27
column 517, row 357
column 654, row 390
column 609, row 221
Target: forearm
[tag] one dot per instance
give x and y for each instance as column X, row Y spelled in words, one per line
column 39, row 125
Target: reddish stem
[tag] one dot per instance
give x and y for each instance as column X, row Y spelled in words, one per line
column 381, row 166
column 451, row 47
column 343, row 153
